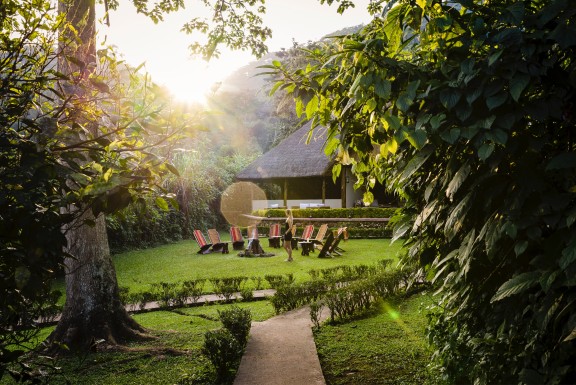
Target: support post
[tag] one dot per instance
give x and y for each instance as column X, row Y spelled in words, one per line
column 343, row 186
column 285, row 188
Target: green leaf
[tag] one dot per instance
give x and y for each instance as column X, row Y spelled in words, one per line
column 392, row 121
column 437, row 120
column 517, row 285
column 485, row 150
column 498, row 136
column 172, row 169
column 299, row 107
column 450, row 97
column 474, row 94
column 404, row 102
column 494, row 57
column 562, row 161
column 568, row 255
column 458, row 180
column 383, row 88
column 518, row 84
column 162, row 204
column 571, row 336
column 496, row 100
column 390, row 147
column 520, row 247
column 370, row 105
column 312, row 107
column 450, row 136
column 416, row 162
column 417, row 138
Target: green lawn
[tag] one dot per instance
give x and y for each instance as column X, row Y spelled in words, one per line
column 179, row 261
column 387, row 347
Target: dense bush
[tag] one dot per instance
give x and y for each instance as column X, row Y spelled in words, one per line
column 471, row 105
column 135, row 228
column 238, row 322
column 224, row 351
column 344, row 290
column 224, row 347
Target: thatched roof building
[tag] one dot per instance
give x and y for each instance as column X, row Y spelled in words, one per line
column 292, row 158
column 302, row 170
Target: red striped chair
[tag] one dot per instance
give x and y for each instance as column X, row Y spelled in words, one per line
column 236, row 238
column 304, row 241
column 204, row 246
column 274, row 235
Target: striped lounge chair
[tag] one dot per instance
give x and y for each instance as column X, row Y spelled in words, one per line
column 204, row 246
column 274, row 235
column 236, row 238
column 304, row 241
column 217, row 244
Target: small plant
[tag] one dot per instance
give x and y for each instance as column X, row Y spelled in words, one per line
column 247, row 294
column 277, row 281
column 144, row 298
column 165, row 292
column 226, row 287
column 124, row 293
column 224, row 351
column 238, row 322
column 191, row 290
column 316, row 312
column 257, row 282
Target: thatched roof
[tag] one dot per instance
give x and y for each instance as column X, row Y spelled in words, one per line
column 292, row 158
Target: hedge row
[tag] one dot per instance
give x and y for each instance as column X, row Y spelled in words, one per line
column 357, row 230
column 356, row 212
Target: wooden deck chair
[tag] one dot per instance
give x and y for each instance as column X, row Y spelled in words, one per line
column 274, row 236
column 324, row 251
column 294, row 241
column 304, row 240
column 319, row 240
column 217, row 244
column 338, row 236
column 204, row 246
column 307, row 233
column 236, row 238
column 252, row 232
column 343, row 234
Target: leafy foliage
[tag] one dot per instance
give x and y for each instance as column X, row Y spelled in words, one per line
column 467, row 109
column 61, row 149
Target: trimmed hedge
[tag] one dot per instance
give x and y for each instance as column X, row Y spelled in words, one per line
column 356, row 212
column 356, row 230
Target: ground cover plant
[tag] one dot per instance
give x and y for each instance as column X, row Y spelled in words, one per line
column 387, row 346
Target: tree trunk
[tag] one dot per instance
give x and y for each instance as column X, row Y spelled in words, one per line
column 93, row 312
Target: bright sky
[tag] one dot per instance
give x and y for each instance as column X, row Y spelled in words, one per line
column 165, row 49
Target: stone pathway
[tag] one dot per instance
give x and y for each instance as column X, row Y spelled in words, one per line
column 281, row 351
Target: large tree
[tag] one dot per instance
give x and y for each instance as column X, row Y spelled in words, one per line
column 468, row 108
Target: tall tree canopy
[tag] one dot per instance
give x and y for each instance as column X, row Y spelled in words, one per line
column 468, row 108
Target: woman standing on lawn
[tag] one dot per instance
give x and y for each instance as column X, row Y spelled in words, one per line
column 288, row 234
